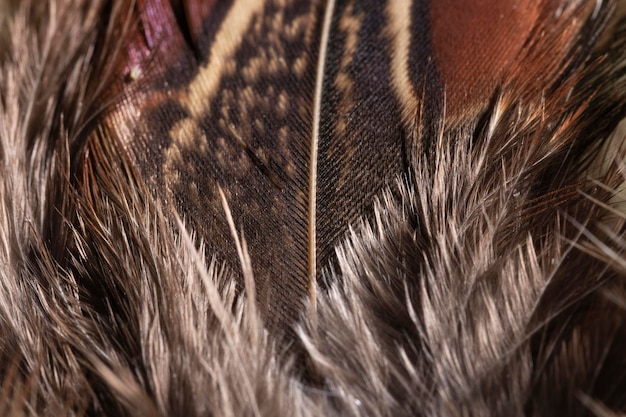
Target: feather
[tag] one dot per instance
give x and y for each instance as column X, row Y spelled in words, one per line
column 299, row 207
column 270, row 132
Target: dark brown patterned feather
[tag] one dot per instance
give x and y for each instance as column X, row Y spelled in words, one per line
column 174, row 176
column 241, row 120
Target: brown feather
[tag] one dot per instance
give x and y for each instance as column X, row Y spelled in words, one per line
column 155, row 194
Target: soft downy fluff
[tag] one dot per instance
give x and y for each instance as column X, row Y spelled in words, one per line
column 489, row 279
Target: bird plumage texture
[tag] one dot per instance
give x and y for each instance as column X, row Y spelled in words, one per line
column 264, row 207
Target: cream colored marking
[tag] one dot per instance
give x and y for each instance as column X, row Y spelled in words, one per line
column 277, row 23
column 259, row 126
column 224, row 149
column 399, row 29
column 296, row 27
column 248, row 97
column 204, row 86
column 135, row 73
column 350, row 26
column 283, row 136
column 185, row 132
column 283, row 103
column 317, row 109
column 299, row 65
column 172, row 159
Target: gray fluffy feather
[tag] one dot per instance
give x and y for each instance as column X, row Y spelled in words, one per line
column 490, row 281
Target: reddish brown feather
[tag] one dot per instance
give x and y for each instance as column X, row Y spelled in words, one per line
column 475, row 43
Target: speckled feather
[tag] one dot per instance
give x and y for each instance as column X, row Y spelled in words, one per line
column 255, row 207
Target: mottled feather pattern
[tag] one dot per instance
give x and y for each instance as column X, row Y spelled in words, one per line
column 306, row 207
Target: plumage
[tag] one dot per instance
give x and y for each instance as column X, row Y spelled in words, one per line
column 299, row 207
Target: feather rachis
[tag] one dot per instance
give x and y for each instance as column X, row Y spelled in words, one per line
column 317, row 109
